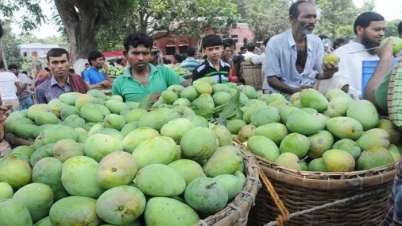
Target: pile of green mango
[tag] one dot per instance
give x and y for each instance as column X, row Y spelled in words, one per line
column 316, row 132
column 114, row 70
column 180, row 71
column 99, row 161
column 311, row 131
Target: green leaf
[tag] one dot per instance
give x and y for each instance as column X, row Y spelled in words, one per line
column 145, row 103
column 230, row 108
column 206, row 113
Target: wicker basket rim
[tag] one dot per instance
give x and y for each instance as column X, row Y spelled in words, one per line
column 328, row 180
column 237, row 211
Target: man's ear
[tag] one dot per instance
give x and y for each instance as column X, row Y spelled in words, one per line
column 291, row 18
column 359, row 30
column 125, row 54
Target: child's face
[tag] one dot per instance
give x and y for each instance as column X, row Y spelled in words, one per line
column 213, row 52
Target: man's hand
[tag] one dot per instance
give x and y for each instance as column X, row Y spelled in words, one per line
column 299, row 89
column 106, row 83
column 156, row 96
column 104, row 67
column 329, row 69
column 5, row 111
column 386, row 49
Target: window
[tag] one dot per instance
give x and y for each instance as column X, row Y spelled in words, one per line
column 170, row 49
column 183, row 49
column 225, row 36
column 235, row 38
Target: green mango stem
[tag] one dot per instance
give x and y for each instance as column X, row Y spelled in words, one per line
column 363, row 50
column 208, row 186
column 367, row 49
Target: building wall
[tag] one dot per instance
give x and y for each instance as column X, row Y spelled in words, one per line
column 242, row 32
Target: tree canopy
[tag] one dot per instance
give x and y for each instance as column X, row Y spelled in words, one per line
column 90, row 22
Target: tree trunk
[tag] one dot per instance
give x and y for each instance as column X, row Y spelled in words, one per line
column 81, row 29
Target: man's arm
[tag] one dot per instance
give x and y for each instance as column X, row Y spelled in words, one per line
column 105, row 69
column 386, row 59
column 98, row 85
column 277, row 84
column 186, row 83
column 104, row 83
column 19, row 91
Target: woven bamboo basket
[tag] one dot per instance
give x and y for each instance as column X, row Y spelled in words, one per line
column 251, row 74
column 317, row 198
column 236, row 212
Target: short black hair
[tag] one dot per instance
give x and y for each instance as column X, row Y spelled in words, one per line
column 250, row 47
column 86, row 64
column 294, row 8
column 190, row 51
column 211, row 40
column 364, row 20
column 47, row 69
column 242, row 48
column 1, row 31
column 338, row 41
column 24, row 72
column 137, row 38
column 225, row 44
column 178, row 57
column 93, row 55
column 12, row 66
column 266, row 41
column 56, row 52
column 231, row 42
column 322, row 36
column 400, row 27
column 71, row 70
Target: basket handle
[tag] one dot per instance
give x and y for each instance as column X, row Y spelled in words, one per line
column 284, row 216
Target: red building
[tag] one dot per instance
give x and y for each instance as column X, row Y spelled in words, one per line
column 179, row 43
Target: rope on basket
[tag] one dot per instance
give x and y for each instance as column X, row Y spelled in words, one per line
column 324, row 206
column 284, row 212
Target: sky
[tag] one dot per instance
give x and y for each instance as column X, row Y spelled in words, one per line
column 390, row 9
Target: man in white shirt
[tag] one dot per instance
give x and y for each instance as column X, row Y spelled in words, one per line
column 24, row 83
column 9, row 86
column 260, row 59
column 369, row 29
column 250, row 51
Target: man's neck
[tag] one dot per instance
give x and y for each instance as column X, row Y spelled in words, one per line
column 299, row 38
column 143, row 73
column 62, row 81
column 359, row 40
column 215, row 64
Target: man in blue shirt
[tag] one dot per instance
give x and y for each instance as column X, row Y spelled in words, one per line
column 93, row 76
column 294, row 57
column 190, row 63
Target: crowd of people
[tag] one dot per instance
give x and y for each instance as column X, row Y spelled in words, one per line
column 290, row 62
